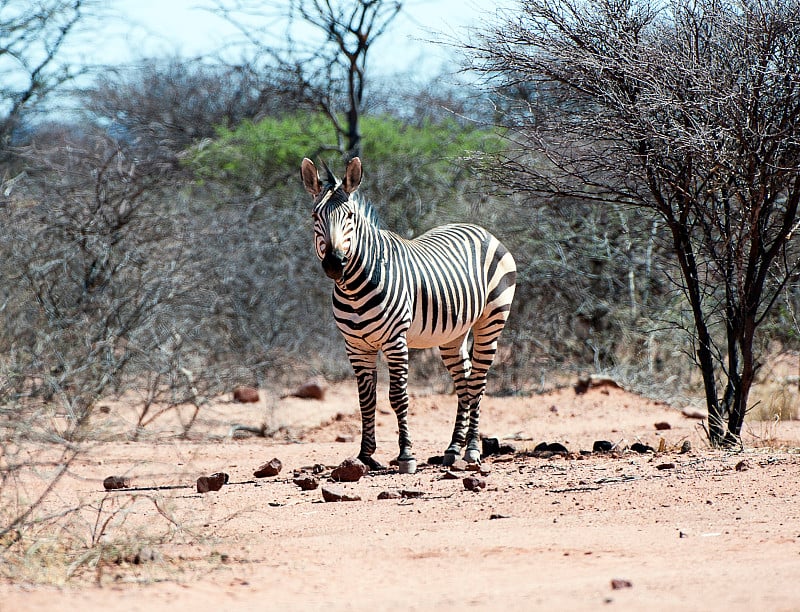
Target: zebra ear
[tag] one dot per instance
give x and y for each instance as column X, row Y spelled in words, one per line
column 352, row 175
column 310, row 177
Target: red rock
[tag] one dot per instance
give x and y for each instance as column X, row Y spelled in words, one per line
column 116, row 482
column 350, row 470
column 619, row 583
column 271, row 468
column 306, row 482
column 335, row 494
column 310, row 390
column 245, row 395
column 474, row 483
column 211, row 483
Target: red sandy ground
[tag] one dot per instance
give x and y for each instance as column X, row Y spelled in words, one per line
column 546, row 533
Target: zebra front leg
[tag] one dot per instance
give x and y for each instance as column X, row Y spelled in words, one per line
column 364, row 366
column 396, row 355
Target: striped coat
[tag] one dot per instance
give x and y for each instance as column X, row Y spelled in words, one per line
column 392, row 294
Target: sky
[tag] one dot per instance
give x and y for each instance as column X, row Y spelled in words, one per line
column 162, row 28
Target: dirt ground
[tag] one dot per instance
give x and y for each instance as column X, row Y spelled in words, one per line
column 678, row 529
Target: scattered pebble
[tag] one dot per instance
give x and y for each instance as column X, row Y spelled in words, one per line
column 271, row 468
column 693, row 413
column 662, row 425
column 335, row 494
column 245, row 395
column 743, row 465
column 310, row 390
column 638, row 447
column 621, row 583
column 306, row 482
column 211, row 483
column 602, row 446
column 116, row 482
column 474, row 483
column 665, row 466
column 350, row 470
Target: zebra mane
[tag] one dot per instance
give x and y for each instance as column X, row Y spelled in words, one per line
column 365, row 208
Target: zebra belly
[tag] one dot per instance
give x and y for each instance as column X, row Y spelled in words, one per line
column 421, row 339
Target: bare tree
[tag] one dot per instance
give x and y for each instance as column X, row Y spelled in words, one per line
column 32, row 40
column 689, row 109
column 329, row 72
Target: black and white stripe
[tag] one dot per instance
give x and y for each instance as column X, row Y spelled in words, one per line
column 392, row 294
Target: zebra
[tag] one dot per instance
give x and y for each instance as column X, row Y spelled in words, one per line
column 391, row 294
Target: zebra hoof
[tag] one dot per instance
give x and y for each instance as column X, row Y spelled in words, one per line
column 472, row 456
column 450, row 458
column 409, row 466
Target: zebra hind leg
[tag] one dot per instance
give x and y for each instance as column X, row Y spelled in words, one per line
column 484, row 347
column 456, row 359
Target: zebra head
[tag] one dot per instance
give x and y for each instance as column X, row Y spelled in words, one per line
column 333, row 214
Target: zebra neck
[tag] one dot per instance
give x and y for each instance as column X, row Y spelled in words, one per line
column 365, row 271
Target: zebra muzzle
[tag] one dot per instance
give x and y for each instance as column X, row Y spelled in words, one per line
column 333, row 263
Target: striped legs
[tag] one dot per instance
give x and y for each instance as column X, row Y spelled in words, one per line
column 469, row 375
column 364, row 365
column 456, row 359
column 396, row 354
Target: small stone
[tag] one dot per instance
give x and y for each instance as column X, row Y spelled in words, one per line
column 620, row 583
column 557, row 449
column 459, row 465
column 450, row 475
column 474, row 483
column 272, row 468
column 335, row 494
column 116, row 482
column 411, row 493
column 665, row 466
column 310, row 390
column 602, row 446
column 344, row 438
column 494, row 517
column 306, row 482
column 693, row 413
column 245, row 395
column 490, row 446
column 638, row 447
column 350, row 470
column 743, row 466
column 389, row 495
column 211, row 483
column 686, row 447
column 662, row 425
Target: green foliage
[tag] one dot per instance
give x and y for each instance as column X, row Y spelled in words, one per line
column 256, row 156
column 251, row 155
column 387, row 138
